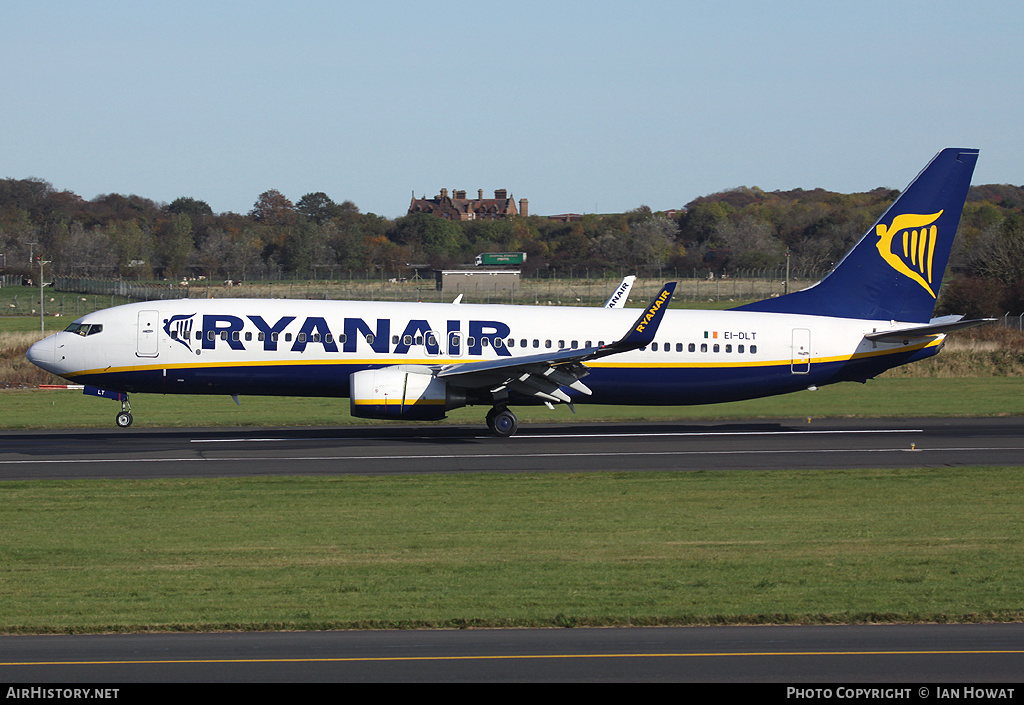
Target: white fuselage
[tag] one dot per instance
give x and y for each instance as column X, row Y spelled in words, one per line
column 289, row 347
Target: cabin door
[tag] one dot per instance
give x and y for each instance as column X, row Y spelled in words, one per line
column 801, row 363
column 149, row 334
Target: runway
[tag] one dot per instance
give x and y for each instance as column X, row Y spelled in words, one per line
column 920, row 655
column 754, row 445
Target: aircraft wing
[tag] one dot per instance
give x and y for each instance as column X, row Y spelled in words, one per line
column 937, row 326
column 543, row 374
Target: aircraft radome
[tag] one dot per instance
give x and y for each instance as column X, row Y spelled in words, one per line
column 872, row 312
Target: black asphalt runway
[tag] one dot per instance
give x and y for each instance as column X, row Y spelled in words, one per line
column 383, row 449
column 918, row 656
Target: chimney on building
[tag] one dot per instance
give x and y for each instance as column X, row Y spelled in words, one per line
column 501, row 194
column 524, row 207
column 480, row 194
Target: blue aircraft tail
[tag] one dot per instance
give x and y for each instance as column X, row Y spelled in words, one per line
column 894, row 271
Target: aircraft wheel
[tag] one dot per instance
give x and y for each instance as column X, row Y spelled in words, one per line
column 503, row 422
column 124, row 419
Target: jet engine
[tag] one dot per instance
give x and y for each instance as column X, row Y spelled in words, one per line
column 402, row 392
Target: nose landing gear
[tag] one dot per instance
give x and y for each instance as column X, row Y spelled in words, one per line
column 124, row 418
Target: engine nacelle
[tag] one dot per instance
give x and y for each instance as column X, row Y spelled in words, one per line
column 401, row 392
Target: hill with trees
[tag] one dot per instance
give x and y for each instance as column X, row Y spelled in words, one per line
column 133, row 237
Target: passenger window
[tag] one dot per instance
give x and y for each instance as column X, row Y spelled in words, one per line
column 728, row 348
column 753, row 349
column 654, row 347
column 691, row 347
column 703, row 347
column 716, row 347
column 739, row 348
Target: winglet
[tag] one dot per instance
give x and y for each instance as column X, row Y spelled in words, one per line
column 618, row 299
column 643, row 331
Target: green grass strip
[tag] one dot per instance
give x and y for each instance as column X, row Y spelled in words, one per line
column 889, row 397
column 512, row 550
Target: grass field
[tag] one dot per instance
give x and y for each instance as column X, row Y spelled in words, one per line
column 514, row 550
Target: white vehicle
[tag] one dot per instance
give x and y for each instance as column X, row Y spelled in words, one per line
column 420, row 360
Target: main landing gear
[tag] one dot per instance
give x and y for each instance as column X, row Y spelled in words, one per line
column 502, row 421
column 124, row 418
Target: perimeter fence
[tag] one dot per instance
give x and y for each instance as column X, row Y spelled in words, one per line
column 568, row 288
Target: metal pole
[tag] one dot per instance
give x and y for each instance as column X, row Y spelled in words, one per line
column 42, row 325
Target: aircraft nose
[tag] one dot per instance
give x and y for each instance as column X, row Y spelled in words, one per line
column 42, row 353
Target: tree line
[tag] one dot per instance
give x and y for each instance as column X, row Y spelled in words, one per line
column 132, row 237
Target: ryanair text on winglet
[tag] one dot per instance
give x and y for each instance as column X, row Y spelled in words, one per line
column 652, row 311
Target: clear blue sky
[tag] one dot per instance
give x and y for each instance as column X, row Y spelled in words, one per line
column 577, row 106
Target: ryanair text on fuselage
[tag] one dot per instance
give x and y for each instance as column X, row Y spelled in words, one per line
column 223, row 329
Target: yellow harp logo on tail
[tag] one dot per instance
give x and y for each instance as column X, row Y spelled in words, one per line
column 916, row 242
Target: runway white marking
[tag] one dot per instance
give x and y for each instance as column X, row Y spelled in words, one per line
column 526, row 437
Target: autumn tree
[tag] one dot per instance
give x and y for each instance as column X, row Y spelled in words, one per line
column 273, row 208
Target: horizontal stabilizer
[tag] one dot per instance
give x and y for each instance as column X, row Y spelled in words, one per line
column 940, row 327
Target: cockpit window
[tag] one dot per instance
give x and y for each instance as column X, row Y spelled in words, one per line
column 84, row 329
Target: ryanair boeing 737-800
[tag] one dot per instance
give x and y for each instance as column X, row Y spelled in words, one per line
column 872, row 312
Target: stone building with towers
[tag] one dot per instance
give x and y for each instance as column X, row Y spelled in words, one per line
column 456, row 206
